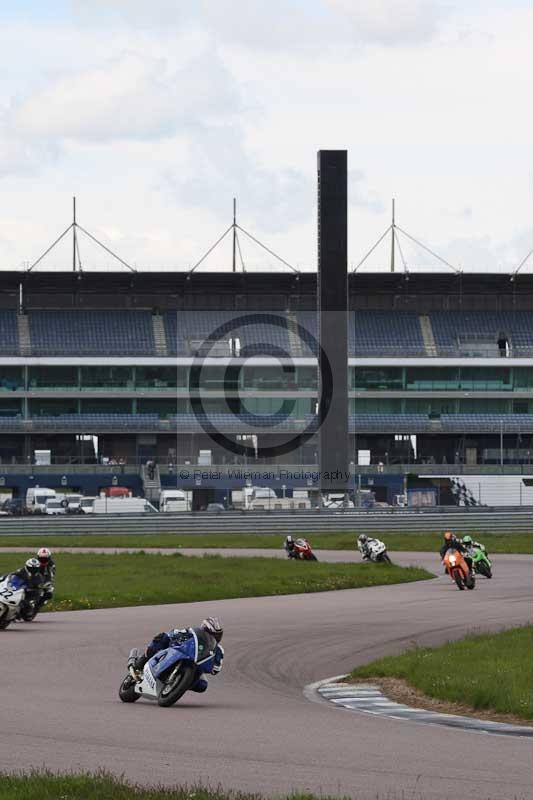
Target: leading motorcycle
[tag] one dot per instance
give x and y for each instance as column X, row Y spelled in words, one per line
column 457, row 569
column 169, row 673
column 12, row 594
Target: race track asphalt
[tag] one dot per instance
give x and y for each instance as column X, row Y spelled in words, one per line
column 254, row 730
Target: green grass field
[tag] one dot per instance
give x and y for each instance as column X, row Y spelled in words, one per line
column 422, row 542
column 45, row 786
column 109, row 581
column 490, row 672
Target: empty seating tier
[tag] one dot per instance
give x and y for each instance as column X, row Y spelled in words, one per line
column 91, row 332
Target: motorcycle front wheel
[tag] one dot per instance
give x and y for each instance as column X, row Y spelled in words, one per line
column 458, row 578
column 484, row 569
column 29, row 614
column 4, row 624
column 180, row 679
column 127, row 691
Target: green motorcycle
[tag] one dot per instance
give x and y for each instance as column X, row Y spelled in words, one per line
column 480, row 561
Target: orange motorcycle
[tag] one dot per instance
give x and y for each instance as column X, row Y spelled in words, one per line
column 457, row 569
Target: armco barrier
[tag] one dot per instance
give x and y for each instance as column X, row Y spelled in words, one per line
column 518, row 521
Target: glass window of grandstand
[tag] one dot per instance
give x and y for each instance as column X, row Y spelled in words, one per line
column 218, row 378
column 10, row 407
column 53, row 378
column 523, row 378
column 433, row 407
column 270, row 406
column 52, row 408
column 373, row 378
column 376, row 406
column 11, row 379
column 160, row 377
column 432, row 378
column 163, row 408
column 483, row 406
column 307, row 377
column 485, row 378
column 107, row 377
column 275, row 378
column 102, row 406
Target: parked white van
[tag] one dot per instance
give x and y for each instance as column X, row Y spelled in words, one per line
column 174, row 500
column 36, row 498
column 119, row 505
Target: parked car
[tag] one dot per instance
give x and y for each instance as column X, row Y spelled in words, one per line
column 55, row 507
column 14, row 506
column 215, row 508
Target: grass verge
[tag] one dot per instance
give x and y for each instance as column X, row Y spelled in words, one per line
column 421, row 542
column 491, row 673
column 110, row 581
column 46, row 786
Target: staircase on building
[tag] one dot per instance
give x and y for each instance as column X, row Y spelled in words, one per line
column 151, row 485
column 160, row 335
column 23, row 324
column 295, row 342
column 427, row 335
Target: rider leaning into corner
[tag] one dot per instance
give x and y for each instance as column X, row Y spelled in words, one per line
column 289, row 547
column 451, row 542
column 47, row 569
column 33, row 581
column 210, row 629
column 364, row 545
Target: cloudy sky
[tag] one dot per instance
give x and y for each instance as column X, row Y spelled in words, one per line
column 156, row 114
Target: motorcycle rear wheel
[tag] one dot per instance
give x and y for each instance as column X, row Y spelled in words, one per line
column 127, row 691
column 173, row 690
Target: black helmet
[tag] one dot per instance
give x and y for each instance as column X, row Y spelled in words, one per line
column 213, row 626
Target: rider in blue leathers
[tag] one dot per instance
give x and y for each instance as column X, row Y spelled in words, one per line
column 210, row 630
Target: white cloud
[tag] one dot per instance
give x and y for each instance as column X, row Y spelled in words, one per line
column 390, row 21
column 219, row 166
column 285, row 23
column 131, row 97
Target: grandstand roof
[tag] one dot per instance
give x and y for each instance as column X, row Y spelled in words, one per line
column 273, row 290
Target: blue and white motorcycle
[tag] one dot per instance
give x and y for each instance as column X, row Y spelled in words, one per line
column 169, row 673
column 12, row 594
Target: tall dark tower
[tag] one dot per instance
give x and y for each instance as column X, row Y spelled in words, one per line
column 332, row 303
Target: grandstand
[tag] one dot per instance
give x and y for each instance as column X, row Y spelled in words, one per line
column 98, row 366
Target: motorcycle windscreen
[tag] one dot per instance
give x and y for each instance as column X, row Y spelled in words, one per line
column 167, row 658
column 15, row 583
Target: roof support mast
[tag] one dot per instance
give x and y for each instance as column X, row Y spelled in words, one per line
column 393, row 237
column 234, row 262
column 74, row 235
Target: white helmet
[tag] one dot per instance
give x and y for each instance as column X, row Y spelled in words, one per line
column 32, row 566
column 44, row 555
column 362, row 538
column 213, row 626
